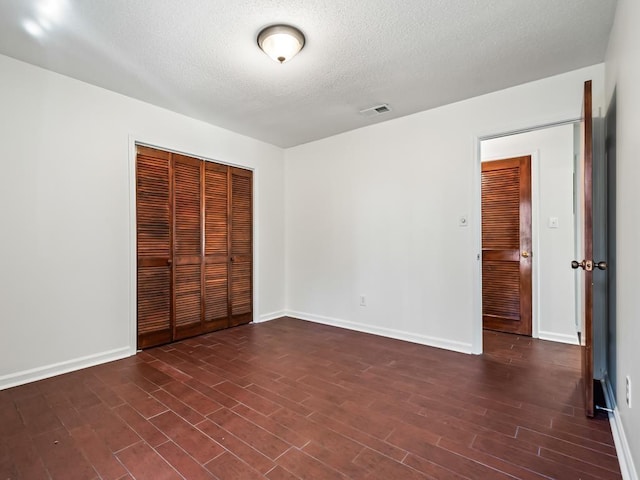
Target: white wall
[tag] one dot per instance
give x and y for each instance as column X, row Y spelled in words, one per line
column 375, row 211
column 552, row 196
column 623, row 75
column 66, row 236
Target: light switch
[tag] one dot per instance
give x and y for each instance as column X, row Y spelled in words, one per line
column 553, row 222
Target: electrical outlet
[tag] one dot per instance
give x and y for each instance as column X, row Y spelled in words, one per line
column 363, row 301
column 628, row 383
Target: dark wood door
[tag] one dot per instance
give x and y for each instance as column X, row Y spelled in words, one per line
column 587, row 264
column 187, row 246
column 241, row 241
column 195, row 246
column 154, row 246
column 506, row 245
column 216, row 270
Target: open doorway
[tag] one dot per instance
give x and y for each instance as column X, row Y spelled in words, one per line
column 589, row 207
column 553, row 290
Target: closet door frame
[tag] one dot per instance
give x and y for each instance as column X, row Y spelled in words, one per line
column 135, row 141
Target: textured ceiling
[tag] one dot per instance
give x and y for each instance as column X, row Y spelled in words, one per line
column 200, row 57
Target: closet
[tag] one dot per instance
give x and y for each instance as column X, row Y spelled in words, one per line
column 194, row 246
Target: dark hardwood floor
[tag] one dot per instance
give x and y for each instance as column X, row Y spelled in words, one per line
column 291, row 399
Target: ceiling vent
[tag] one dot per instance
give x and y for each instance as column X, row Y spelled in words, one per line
column 377, row 110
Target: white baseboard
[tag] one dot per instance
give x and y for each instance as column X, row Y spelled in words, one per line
column 385, row 332
column 558, row 337
column 270, row 316
column 39, row 373
column 623, row 449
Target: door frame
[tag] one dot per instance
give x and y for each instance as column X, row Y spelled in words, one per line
column 133, row 286
column 476, row 345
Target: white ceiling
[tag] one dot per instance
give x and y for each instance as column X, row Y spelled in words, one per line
column 200, row 57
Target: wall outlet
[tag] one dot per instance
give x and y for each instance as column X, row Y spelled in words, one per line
column 628, row 388
column 363, row 301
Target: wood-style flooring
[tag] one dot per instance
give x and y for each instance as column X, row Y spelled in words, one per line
column 291, row 399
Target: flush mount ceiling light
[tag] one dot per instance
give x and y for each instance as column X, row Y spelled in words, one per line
column 281, row 42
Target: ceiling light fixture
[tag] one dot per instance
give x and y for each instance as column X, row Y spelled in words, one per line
column 281, row 42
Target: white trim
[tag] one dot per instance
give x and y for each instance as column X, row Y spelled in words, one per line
column 558, row 337
column 255, row 236
column 476, row 326
column 270, row 316
column 39, row 373
column 518, row 131
column 385, row 332
column 133, row 246
column 535, row 243
column 160, row 145
column 623, row 449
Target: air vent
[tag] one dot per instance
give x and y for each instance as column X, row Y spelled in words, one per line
column 377, row 110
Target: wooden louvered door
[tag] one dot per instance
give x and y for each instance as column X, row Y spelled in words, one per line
column 241, row 241
column 216, row 270
column 154, row 247
column 194, row 243
column 506, row 245
column 187, row 246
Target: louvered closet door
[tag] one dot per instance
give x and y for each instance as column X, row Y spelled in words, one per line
column 216, row 270
column 153, row 216
column 241, row 291
column 506, row 245
column 194, row 226
column 187, row 240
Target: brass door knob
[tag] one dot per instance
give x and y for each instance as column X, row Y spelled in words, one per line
column 588, row 265
column 525, row 254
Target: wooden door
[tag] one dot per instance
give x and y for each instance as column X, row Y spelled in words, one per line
column 506, row 245
column 216, row 270
column 154, row 246
column 194, row 244
column 187, row 246
column 587, row 264
column 241, row 242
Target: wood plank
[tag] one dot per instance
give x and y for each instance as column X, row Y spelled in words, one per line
column 350, row 404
